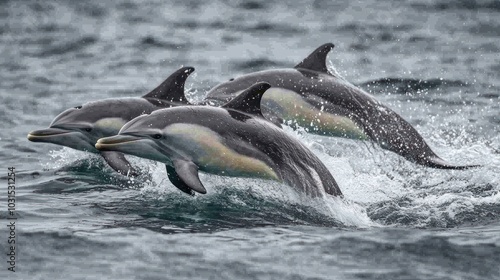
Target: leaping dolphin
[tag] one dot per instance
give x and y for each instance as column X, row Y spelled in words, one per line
column 80, row 127
column 311, row 96
column 232, row 140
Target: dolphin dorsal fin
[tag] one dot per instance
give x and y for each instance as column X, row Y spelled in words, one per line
column 172, row 89
column 316, row 61
column 249, row 100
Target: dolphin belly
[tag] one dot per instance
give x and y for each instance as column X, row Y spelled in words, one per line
column 294, row 110
column 212, row 155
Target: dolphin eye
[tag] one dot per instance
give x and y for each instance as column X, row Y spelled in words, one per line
column 78, row 107
column 232, row 79
column 88, row 129
column 157, row 136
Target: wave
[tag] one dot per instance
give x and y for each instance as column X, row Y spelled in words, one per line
column 280, row 252
column 470, row 5
column 257, row 64
column 252, row 5
column 68, row 47
column 409, row 85
column 274, row 28
column 150, row 41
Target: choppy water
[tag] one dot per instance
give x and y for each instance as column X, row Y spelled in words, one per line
column 436, row 63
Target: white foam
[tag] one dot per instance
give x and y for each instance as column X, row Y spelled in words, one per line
column 64, row 157
column 368, row 175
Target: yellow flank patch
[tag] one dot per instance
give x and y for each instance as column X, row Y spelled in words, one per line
column 293, row 108
column 114, row 124
column 205, row 148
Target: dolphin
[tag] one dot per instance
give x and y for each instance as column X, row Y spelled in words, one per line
column 80, row 127
column 231, row 140
column 322, row 102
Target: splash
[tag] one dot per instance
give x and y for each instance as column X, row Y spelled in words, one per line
column 66, row 157
column 259, row 195
column 398, row 192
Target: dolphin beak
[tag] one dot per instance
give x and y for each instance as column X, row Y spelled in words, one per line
column 111, row 143
column 44, row 134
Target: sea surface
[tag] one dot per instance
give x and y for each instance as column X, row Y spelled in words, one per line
column 435, row 62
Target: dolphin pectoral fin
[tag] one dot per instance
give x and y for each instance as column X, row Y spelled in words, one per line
column 316, row 61
column 119, row 163
column 184, row 175
column 177, row 182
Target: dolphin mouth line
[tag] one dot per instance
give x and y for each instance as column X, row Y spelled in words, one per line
column 46, row 133
column 109, row 142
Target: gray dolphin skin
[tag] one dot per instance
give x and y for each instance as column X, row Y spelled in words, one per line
column 80, row 127
column 312, row 97
column 232, row 140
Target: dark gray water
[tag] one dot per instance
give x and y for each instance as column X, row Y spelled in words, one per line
column 436, row 63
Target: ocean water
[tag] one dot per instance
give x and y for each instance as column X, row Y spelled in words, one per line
column 435, row 62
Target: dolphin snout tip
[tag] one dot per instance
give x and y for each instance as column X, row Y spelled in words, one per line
column 100, row 144
column 97, row 145
column 30, row 137
column 35, row 136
